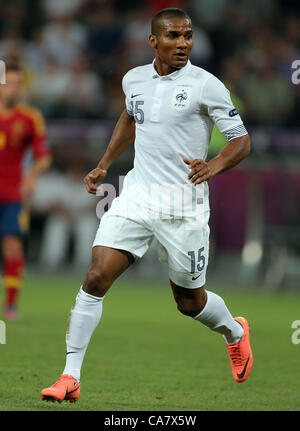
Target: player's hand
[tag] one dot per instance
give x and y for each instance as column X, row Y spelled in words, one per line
column 94, row 177
column 200, row 170
column 28, row 187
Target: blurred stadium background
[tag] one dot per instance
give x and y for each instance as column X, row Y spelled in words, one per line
column 75, row 53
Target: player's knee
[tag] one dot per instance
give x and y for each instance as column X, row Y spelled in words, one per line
column 97, row 282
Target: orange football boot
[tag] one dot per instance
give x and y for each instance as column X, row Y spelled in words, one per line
column 240, row 353
column 66, row 388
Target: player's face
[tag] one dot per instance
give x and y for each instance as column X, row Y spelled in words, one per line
column 174, row 42
column 10, row 92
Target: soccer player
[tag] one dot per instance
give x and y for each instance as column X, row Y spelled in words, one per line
column 21, row 128
column 171, row 107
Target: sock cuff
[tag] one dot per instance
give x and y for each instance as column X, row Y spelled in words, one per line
column 88, row 296
column 206, row 306
column 213, row 301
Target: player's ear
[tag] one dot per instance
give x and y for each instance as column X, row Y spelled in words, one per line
column 153, row 41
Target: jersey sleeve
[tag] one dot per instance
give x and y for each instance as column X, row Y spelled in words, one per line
column 127, row 98
column 217, row 104
column 39, row 142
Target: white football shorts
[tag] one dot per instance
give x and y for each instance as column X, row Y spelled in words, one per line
column 183, row 243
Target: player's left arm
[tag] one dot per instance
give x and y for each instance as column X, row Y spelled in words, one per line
column 42, row 156
column 217, row 104
column 232, row 154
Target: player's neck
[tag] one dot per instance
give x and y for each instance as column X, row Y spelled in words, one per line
column 163, row 68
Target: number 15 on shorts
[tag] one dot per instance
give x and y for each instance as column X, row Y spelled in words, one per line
column 200, row 263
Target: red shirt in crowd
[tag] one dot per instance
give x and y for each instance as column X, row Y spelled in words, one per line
column 21, row 129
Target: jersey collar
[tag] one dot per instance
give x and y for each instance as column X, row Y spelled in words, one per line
column 174, row 75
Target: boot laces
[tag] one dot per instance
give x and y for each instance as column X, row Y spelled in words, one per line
column 61, row 378
column 235, row 355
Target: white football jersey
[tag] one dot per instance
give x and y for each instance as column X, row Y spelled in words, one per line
column 174, row 117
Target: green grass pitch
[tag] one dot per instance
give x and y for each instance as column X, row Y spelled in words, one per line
column 145, row 355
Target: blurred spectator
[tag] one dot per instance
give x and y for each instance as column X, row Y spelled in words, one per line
column 291, row 27
column 105, row 34
column 64, row 39
column 12, row 51
column 10, row 44
column 71, row 211
column 115, row 99
column 34, row 52
column 128, row 6
column 84, row 91
column 257, row 47
column 268, row 97
column 137, row 47
column 77, row 51
column 233, row 73
column 12, row 15
column 256, row 10
column 288, row 7
column 56, row 9
column 209, row 15
column 49, row 89
column 68, row 92
column 284, row 52
column 202, row 51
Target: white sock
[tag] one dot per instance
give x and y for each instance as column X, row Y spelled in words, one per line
column 216, row 316
column 84, row 318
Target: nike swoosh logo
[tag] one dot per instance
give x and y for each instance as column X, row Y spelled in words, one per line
column 241, row 375
column 71, row 392
column 135, row 95
column 68, row 353
column 195, row 278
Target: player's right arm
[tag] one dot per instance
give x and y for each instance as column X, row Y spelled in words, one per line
column 122, row 137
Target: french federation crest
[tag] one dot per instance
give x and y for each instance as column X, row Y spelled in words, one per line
column 181, row 98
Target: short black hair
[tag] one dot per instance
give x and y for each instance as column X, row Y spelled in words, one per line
column 169, row 12
column 13, row 67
